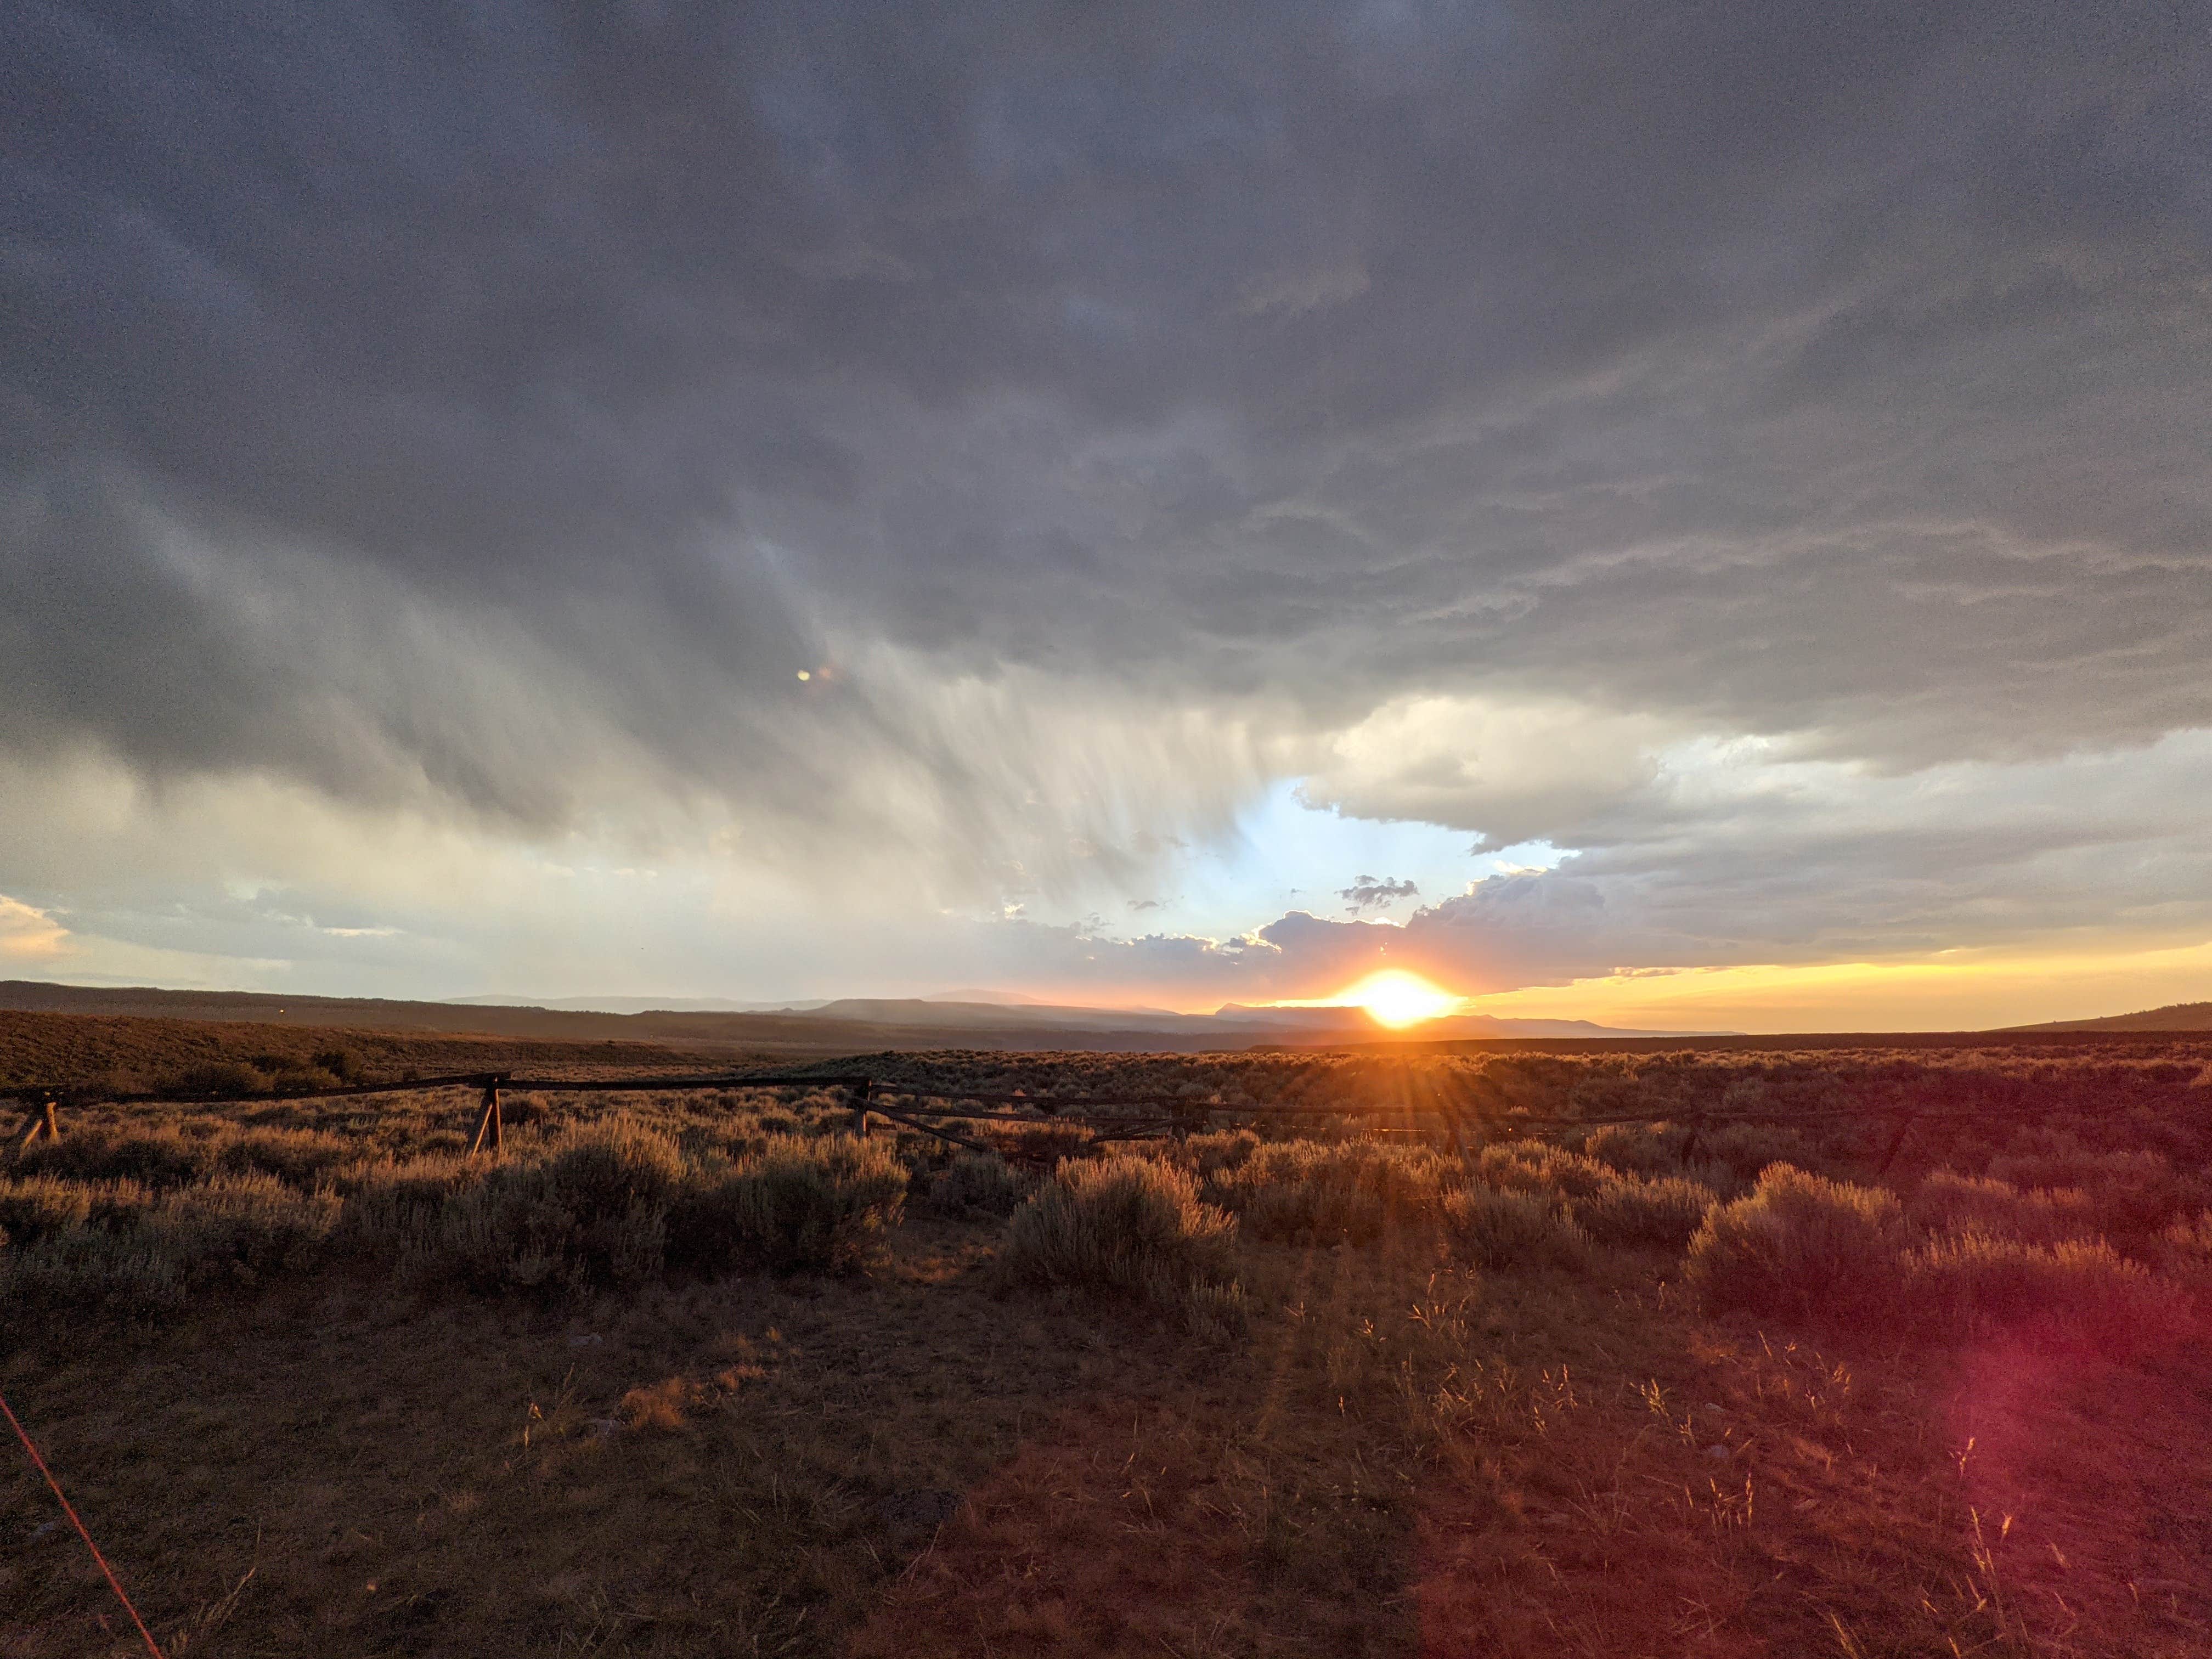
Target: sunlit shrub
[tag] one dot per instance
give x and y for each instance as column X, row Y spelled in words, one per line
column 1800, row 1245
column 1961, row 1283
column 1647, row 1149
column 2129, row 1195
column 1317, row 1193
column 1128, row 1226
column 302, row 1158
column 392, row 1206
column 591, row 1211
column 177, row 1154
column 1537, row 1166
column 1501, row 1227
column 167, row 1157
column 1658, row 1215
column 612, row 1170
column 1949, row 1203
column 244, row 1225
column 814, row 1202
column 1209, row 1155
column 125, row 1251
column 430, row 1178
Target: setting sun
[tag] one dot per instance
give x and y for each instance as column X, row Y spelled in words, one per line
column 1396, row 999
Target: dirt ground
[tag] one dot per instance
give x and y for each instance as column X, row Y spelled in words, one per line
column 1402, row 1459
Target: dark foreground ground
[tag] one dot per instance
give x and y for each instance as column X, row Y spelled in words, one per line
column 1417, row 1433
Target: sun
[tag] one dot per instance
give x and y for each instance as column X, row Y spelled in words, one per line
column 1397, row 999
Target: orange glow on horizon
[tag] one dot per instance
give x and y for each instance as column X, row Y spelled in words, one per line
column 1397, row 999
column 1955, row 990
column 1961, row 990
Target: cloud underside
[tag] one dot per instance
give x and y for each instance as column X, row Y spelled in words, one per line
column 1762, row 449
column 1375, row 893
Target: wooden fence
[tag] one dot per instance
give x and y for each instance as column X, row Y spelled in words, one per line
column 1116, row 1118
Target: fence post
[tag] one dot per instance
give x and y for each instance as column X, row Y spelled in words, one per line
column 489, row 1127
column 861, row 1091
column 38, row 1120
column 1896, row 1143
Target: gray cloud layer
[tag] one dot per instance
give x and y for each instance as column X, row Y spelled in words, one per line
column 496, row 407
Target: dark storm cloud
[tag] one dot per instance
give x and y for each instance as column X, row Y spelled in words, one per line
column 489, row 402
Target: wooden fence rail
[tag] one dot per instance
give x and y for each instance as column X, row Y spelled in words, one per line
column 1108, row 1118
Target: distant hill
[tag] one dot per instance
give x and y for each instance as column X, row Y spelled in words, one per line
column 1233, row 1022
column 2177, row 1016
column 635, row 1005
column 849, row 1025
column 861, row 1028
column 938, row 1013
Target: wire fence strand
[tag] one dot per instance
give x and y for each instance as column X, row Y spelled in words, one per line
column 70, row 1509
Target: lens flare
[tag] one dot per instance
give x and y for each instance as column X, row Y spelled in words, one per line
column 1397, row 999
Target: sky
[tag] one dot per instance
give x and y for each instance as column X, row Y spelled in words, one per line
column 1690, row 515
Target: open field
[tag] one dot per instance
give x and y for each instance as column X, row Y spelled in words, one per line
column 699, row 1373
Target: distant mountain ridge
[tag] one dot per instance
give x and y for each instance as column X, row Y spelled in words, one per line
column 849, row 1024
column 2174, row 1016
column 634, row 1004
column 1230, row 1018
column 1445, row 1027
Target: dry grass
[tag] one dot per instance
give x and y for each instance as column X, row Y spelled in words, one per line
column 757, row 1406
